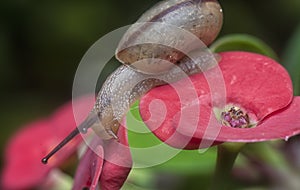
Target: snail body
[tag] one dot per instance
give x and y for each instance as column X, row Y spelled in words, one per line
column 126, row 85
column 149, row 51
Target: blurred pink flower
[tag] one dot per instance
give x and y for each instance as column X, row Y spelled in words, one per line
column 259, row 106
column 23, row 168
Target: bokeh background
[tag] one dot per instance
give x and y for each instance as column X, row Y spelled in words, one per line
column 42, row 43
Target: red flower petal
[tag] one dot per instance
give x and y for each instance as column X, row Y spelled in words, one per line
column 118, row 163
column 279, row 125
column 90, row 167
column 23, row 168
column 255, row 82
column 115, row 168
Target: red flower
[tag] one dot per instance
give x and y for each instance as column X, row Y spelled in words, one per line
column 111, row 172
column 23, row 169
column 259, row 105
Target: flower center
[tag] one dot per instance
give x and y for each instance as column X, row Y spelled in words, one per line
column 235, row 117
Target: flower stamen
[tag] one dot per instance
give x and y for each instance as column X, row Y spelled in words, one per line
column 235, row 117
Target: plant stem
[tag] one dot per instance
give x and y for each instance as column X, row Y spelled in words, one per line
column 227, row 154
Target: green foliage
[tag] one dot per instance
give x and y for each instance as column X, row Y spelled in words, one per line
column 291, row 60
column 242, row 42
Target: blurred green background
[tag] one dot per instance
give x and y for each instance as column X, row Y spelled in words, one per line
column 42, row 43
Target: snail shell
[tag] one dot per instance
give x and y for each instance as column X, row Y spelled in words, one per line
column 149, row 51
column 153, row 36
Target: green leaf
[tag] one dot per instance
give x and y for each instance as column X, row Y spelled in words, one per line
column 130, row 186
column 181, row 161
column 242, row 42
column 140, row 178
column 291, row 60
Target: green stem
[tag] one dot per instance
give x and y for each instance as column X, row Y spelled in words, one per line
column 227, row 154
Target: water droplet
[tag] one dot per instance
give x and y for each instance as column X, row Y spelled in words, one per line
column 286, row 138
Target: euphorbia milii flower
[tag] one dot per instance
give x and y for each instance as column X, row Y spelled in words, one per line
column 108, row 163
column 23, row 169
column 259, row 105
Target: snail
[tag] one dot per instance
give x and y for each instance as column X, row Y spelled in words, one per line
column 151, row 54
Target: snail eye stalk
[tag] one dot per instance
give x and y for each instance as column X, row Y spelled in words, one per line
column 82, row 128
column 73, row 134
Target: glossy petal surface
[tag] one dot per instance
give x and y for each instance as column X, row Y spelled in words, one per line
column 253, row 82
